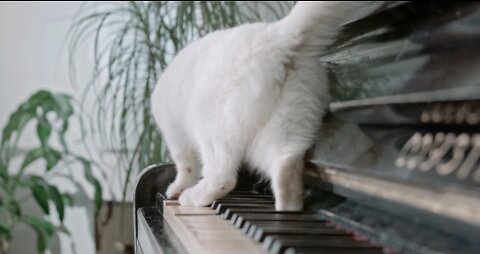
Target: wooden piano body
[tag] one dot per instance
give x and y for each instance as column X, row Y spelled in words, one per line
column 398, row 159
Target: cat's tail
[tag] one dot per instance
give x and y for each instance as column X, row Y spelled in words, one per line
column 311, row 26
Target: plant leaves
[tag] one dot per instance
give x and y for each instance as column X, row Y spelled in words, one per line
column 68, row 199
column 44, row 129
column 41, row 196
column 63, row 105
column 63, row 229
column 17, row 122
column 96, row 184
column 53, row 157
column 57, row 198
column 4, row 229
column 44, row 230
column 14, row 208
column 32, row 156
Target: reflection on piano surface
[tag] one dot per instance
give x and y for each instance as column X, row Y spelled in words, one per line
column 396, row 168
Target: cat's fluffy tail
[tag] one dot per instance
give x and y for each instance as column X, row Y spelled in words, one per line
column 311, row 26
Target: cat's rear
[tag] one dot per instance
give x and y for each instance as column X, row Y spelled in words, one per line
column 254, row 94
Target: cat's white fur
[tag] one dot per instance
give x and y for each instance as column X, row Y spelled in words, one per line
column 256, row 94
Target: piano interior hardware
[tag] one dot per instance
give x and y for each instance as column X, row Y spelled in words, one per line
column 451, row 203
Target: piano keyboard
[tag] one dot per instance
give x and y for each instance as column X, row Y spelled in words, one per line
column 248, row 223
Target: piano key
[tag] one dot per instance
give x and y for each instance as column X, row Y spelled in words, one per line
column 221, row 208
column 239, row 219
column 279, row 246
column 251, row 227
column 257, row 196
column 269, row 240
column 247, row 192
column 216, row 203
column 326, row 250
column 228, row 214
column 260, row 233
column 265, row 232
column 206, row 232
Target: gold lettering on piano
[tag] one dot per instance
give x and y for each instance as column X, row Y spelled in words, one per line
column 459, row 146
column 471, row 159
column 446, row 153
column 445, row 142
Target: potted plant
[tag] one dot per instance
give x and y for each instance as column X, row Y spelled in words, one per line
column 21, row 179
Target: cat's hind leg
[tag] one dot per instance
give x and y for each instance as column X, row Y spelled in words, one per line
column 183, row 154
column 286, row 182
column 220, row 164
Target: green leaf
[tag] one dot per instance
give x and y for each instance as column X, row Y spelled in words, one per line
column 17, row 121
column 32, row 156
column 96, row 184
column 14, row 208
column 63, row 105
column 44, row 129
column 53, row 157
column 3, row 175
column 41, row 196
column 67, row 199
column 4, row 229
column 57, row 198
column 64, row 230
column 44, row 230
column 40, row 190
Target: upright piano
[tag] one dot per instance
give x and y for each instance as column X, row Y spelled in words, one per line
column 396, row 168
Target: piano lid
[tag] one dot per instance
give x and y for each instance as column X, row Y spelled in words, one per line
column 411, row 52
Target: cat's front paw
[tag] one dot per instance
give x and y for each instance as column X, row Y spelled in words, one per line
column 204, row 192
column 176, row 188
column 196, row 196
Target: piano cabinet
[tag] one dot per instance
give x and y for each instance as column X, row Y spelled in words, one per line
column 396, row 167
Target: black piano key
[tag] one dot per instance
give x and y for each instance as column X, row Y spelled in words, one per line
column 268, row 225
column 326, row 250
column 257, row 196
column 258, row 234
column 269, row 240
column 216, row 203
column 231, row 211
column 221, row 208
column 279, row 246
column 248, row 192
column 306, row 225
column 239, row 219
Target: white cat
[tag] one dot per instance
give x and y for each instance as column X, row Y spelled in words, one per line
column 254, row 93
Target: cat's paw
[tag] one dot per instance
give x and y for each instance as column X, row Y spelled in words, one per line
column 198, row 195
column 289, row 205
column 185, row 198
column 204, row 193
column 176, row 188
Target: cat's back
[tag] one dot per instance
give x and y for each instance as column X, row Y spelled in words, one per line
column 219, row 64
column 221, row 51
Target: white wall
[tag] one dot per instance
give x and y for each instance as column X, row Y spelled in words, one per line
column 33, row 55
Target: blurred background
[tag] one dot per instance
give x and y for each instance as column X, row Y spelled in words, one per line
column 75, row 80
